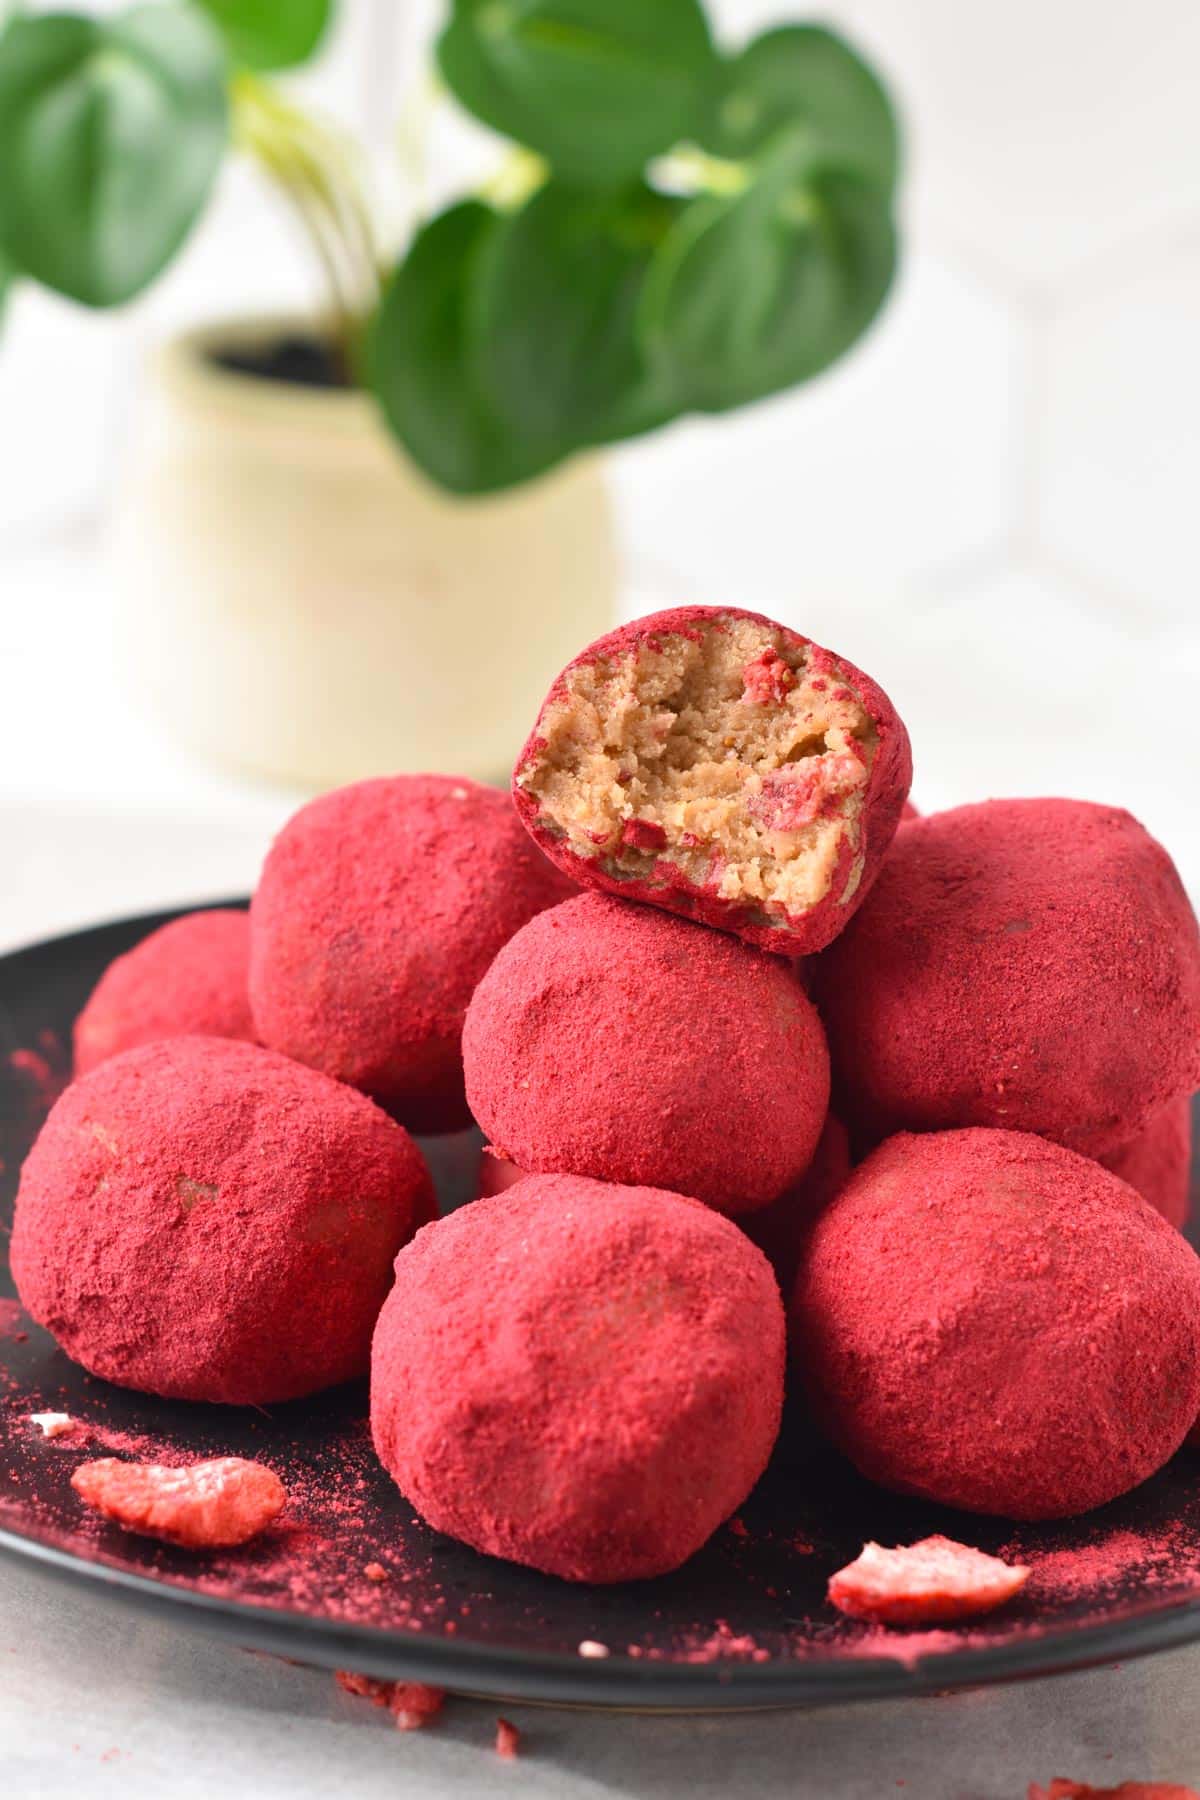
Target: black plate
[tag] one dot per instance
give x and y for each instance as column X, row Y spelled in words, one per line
column 744, row 1624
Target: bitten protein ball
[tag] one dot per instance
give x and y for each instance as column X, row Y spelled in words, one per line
column 1158, row 1162
column 616, row 1041
column 1026, row 964
column 582, row 1378
column 206, row 1220
column 996, row 1323
column 719, row 765
column 379, row 908
column 187, row 977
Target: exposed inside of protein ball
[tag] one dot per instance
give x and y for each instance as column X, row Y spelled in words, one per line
column 728, row 751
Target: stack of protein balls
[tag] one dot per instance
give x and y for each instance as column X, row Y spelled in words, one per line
column 987, row 1297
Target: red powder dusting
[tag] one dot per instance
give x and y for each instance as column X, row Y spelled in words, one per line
column 11, row 1319
column 921, row 1584
column 739, row 1527
column 910, row 1647
column 508, row 1739
column 1128, row 1790
column 47, row 1083
column 1160, row 1561
column 715, row 1646
column 135, row 1444
column 312, row 1560
column 205, row 1505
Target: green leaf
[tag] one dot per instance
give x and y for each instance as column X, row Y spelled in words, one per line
column 802, row 76
column 111, row 132
column 595, row 86
column 755, row 292
column 556, row 305
column 271, row 34
column 424, row 361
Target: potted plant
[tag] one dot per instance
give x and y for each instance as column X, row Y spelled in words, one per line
column 368, row 544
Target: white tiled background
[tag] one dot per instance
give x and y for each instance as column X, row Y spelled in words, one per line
column 992, row 505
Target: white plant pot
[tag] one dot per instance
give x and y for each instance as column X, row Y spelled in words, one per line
column 297, row 600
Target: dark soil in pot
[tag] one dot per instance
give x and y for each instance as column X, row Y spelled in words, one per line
column 295, row 360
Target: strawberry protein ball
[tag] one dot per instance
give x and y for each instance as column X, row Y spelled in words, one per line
column 379, row 908
column 719, row 765
column 1026, row 964
column 206, row 1220
column 1158, row 1163
column 581, row 1378
column 187, row 977
column 496, row 1175
column 780, row 1229
column 616, row 1041
column 203, row 1506
column 996, row 1323
column 930, row 1583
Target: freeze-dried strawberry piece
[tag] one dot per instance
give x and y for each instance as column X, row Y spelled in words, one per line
column 413, row 1704
column 1128, row 1790
column 768, row 680
column 207, row 1505
column 925, row 1583
column 364, row 1687
column 508, row 1739
column 643, row 834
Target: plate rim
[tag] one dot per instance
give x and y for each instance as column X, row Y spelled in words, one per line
column 505, row 1671
column 618, row 1680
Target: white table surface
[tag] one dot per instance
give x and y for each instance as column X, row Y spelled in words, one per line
column 98, row 1700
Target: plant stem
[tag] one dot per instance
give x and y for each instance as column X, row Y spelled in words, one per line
column 518, row 176
column 693, row 171
column 317, row 172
